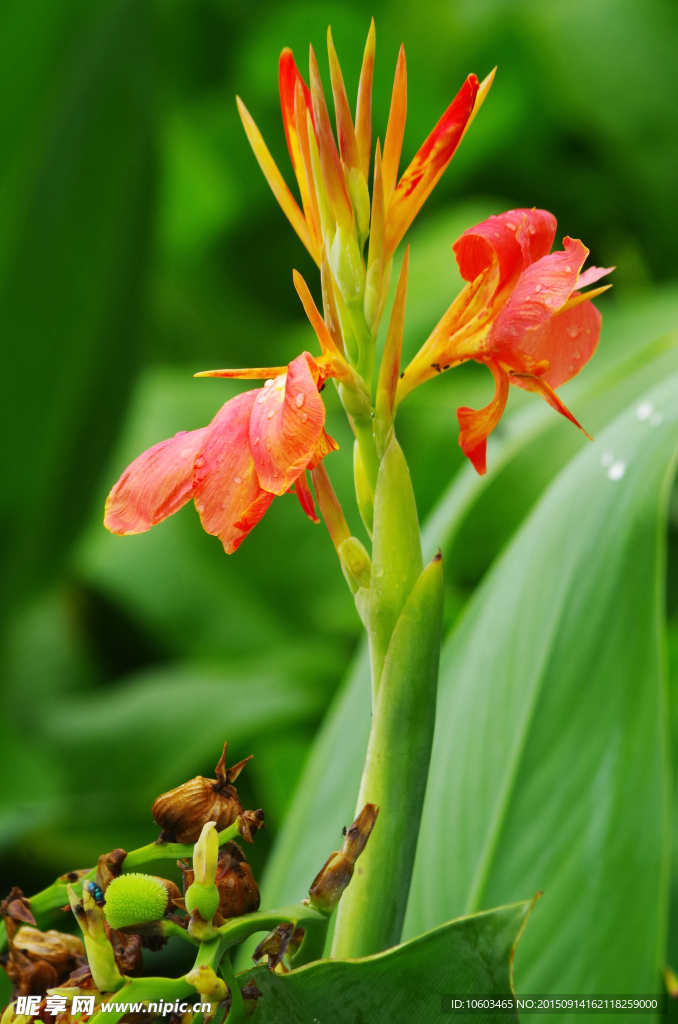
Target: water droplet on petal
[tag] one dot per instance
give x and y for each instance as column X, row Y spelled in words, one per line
column 299, row 400
column 271, row 413
column 256, row 441
column 607, row 459
column 199, row 463
column 655, row 419
column 573, row 331
column 237, row 480
column 276, row 475
column 531, row 229
column 644, row 411
column 511, row 227
column 268, row 446
column 304, row 417
column 568, row 270
column 267, row 383
column 262, row 397
column 280, row 383
column 616, row 470
column 497, row 235
column 538, row 287
column 180, row 432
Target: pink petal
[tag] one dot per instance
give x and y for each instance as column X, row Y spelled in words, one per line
column 567, row 340
column 593, row 274
column 540, row 292
column 514, row 239
column 286, row 424
column 158, row 483
column 227, row 494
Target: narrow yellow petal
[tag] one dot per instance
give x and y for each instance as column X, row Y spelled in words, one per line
column 576, row 300
column 275, row 179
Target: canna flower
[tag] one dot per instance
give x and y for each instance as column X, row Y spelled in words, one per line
column 521, row 313
column 258, row 445
column 337, row 215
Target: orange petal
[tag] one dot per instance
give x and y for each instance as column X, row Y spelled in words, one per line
column 306, row 498
column 325, row 446
column 540, row 387
column 303, row 119
column 567, row 341
column 157, row 484
column 476, row 426
column 542, row 289
column 395, row 129
column 481, row 96
column 289, row 80
column 330, row 163
column 276, row 181
column 317, row 323
column 286, row 425
column 363, row 113
column 348, row 144
column 428, row 165
column 514, row 239
column 227, row 493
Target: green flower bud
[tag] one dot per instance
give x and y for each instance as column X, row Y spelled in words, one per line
column 347, row 266
column 356, row 561
column 204, row 899
column 135, row 899
column 360, row 199
column 372, row 294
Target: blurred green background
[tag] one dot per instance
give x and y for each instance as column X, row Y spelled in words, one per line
column 139, row 243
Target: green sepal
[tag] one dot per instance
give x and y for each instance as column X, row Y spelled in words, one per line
column 372, row 910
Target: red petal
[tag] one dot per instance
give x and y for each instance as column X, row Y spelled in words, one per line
column 158, row 483
column 515, row 239
column 227, row 493
column 425, row 170
column 540, row 292
column 286, row 425
column 540, row 387
column 567, row 340
column 306, row 498
column 476, row 425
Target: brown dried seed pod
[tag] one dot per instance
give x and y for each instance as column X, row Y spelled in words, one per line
column 183, row 811
column 238, row 892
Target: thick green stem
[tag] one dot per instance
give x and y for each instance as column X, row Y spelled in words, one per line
column 372, row 910
column 396, row 554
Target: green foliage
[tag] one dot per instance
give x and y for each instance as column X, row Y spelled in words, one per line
column 472, row 954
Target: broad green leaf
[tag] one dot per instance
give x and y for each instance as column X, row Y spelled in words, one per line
column 76, row 161
column 404, row 985
column 550, row 767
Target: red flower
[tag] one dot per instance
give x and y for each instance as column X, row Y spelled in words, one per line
column 258, row 445
column 521, row 314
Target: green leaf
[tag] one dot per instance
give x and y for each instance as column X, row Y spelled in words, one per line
column 550, row 767
column 75, row 184
column 469, row 955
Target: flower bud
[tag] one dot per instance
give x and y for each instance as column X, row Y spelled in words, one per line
column 330, row 882
column 135, row 899
column 372, row 294
column 360, row 200
column 208, row 984
column 182, row 812
column 347, row 266
column 356, row 561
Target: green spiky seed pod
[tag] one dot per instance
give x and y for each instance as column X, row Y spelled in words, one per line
column 204, row 899
column 135, row 899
